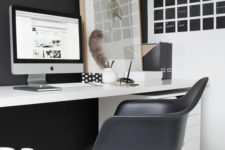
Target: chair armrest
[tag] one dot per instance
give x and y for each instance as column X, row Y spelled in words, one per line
column 142, row 133
column 148, row 107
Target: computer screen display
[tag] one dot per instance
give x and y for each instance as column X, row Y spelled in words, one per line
column 41, row 36
column 44, row 41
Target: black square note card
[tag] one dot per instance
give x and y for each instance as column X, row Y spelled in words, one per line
column 208, row 9
column 170, row 2
column 179, row 2
column 195, row 10
column 220, row 22
column 220, row 7
column 195, row 25
column 158, row 14
column 170, row 27
column 182, row 26
column 158, row 3
column 182, row 12
column 208, row 23
column 170, row 13
column 159, row 28
column 194, row 1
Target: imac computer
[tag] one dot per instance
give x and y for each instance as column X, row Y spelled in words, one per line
column 44, row 42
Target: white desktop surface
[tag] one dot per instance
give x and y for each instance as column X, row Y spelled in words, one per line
column 10, row 97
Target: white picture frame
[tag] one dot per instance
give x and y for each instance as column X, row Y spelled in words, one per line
column 122, row 34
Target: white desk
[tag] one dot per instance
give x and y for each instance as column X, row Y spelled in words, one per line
column 10, row 97
column 106, row 93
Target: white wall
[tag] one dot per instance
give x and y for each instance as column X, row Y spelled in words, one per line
column 195, row 55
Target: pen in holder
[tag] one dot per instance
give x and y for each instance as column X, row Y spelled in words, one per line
column 109, row 76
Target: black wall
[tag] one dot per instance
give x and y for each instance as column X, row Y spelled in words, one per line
column 59, row 126
column 144, row 20
column 6, row 78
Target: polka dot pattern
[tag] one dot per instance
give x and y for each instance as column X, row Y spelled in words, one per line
column 91, row 77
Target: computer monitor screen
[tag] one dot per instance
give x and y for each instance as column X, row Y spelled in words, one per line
column 44, row 42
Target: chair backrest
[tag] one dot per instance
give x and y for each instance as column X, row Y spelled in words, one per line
column 165, row 132
column 191, row 99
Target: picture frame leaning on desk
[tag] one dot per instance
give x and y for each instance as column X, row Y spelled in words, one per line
column 120, row 24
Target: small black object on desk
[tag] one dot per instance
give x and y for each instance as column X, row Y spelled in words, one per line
column 127, row 80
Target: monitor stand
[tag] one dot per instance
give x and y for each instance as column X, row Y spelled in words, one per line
column 37, row 82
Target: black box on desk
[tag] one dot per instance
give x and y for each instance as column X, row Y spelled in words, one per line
column 158, row 57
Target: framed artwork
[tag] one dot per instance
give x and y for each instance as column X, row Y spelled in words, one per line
column 117, row 32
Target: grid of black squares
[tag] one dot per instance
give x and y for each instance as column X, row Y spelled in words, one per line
column 188, row 15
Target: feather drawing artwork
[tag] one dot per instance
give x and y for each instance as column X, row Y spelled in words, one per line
column 96, row 48
column 115, row 11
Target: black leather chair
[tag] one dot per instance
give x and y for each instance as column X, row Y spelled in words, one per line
column 149, row 124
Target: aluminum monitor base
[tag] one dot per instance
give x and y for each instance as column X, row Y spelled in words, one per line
column 37, row 83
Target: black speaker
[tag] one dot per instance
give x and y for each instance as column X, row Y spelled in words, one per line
column 158, row 57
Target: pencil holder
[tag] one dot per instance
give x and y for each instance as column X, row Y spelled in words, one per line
column 109, row 76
